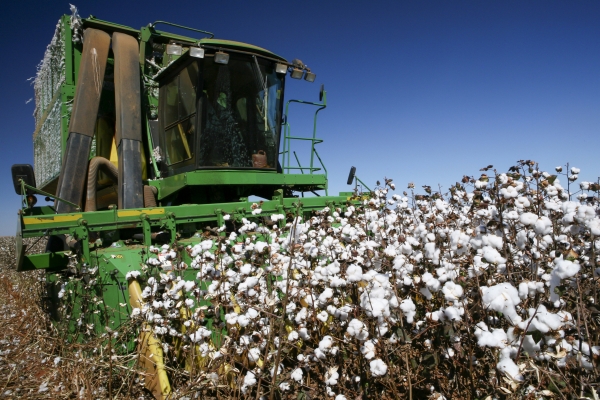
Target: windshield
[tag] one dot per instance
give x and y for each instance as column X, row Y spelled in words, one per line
column 241, row 113
column 222, row 115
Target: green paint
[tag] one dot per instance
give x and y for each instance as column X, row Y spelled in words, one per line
column 87, row 285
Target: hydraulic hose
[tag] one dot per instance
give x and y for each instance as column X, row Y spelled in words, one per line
column 108, row 168
column 149, row 196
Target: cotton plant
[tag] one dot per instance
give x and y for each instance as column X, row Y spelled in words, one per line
column 489, row 272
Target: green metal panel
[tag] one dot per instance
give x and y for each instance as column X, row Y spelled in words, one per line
column 49, row 261
column 172, row 184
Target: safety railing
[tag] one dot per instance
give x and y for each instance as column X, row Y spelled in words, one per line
column 288, row 138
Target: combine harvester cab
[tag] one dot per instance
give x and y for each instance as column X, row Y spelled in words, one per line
column 150, row 145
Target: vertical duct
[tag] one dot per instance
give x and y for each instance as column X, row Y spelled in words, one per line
column 128, row 130
column 71, row 181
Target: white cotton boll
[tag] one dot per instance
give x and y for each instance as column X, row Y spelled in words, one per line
column 523, row 290
column 378, row 367
column 357, row 329
column 502, row 298
column 563, row 269
column 452, row 313
column 293, row 336
column 584, row 185
column 231, row 318
column 452, row 291
column 331, row 377
column 551, row 190
column 368, row 349
column 279, row 370
column 575, row 170
column 481, row 184
column 432, row 283
column 522, row 202
column 431, row 252
column 435, row 315
column 543, row 226
column 408, row 309
column 326, row 343
column 375, row 306
column 259, row 246
column 189, row 302
column 254, row 354
column 189, row 285
column 320, row 354
column 528, row 218
column 132, row 275
column 325, row 296
column 243, row 320
column 297, row 375
column 322, row 316
column 284, row 386
column 509, row 192
column 493, row 241
column 301, row 315
column 290, row 308
column 303, row 332
column 340, row 397
column 544, row 321
column 252, row 313
column 354, row 273
column 508, row 366
column 249, row 380
column 585, row 213
column 594, row 226
column 496, row 338
column 492, row 255
column 336, row 281
column 153, row 261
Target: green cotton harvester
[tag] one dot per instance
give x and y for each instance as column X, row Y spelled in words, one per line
column 148, row 146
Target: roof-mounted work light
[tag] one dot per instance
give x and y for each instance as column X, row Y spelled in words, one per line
column 174, row 49
column 281, row 68
column 296, row 73
column 309, row 77
column 197, row 52
column 221, row 57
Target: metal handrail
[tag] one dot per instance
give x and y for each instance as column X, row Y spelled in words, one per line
column 314, row 140
column 34, row 189
column 152, row 25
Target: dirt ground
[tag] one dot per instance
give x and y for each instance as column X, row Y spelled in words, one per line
column 34, row 362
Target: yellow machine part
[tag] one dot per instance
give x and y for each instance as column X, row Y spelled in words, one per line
column 107, row 148
column 150, row 351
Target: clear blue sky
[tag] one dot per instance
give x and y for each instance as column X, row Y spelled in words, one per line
column 422, row 91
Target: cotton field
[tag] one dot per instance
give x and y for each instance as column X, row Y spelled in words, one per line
column 486, row 290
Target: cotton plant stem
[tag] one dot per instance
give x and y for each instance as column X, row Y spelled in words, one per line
column 284, row 307
column 408, row 375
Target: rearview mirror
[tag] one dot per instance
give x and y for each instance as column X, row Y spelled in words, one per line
column 351, row 175
column 22, row 172
column 321, row 94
